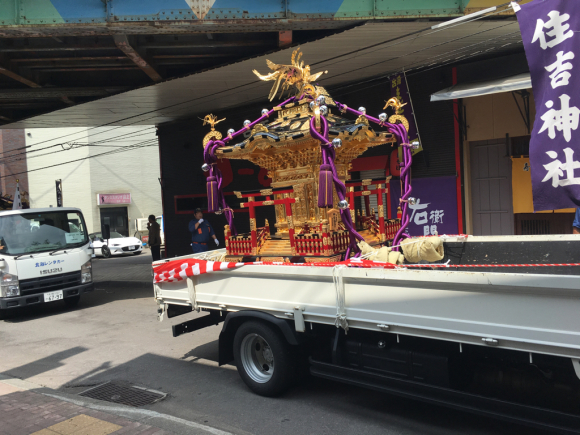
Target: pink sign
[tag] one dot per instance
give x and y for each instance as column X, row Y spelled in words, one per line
column 113, row 198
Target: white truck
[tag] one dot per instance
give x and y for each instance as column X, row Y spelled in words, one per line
column 475, row 334
column 45, row 256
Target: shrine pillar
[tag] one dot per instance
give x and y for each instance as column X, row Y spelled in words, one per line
column 253, row 230
column 381, row 208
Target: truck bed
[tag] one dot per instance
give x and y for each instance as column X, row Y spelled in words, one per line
column 532, row 312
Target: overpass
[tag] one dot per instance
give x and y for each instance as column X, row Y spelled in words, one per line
column 56, row 54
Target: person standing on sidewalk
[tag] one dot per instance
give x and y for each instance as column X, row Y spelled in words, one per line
column 201, row 232
column 154, row 238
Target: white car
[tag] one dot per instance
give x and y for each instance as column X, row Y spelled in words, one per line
column 116, row 245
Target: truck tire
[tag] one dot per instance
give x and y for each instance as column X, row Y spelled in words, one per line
column 72, row 302
column 105, row 251
column 264, row 359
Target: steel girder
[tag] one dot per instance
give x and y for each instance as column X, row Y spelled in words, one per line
column 75, row 12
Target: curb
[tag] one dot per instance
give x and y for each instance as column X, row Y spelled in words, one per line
column 153, row 418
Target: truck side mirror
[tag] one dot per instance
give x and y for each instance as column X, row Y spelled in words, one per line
column 106, row 231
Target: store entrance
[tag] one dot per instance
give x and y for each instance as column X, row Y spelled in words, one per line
column 117, row 219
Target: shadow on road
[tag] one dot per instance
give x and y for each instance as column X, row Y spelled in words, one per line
column 43, row 365
column 208, row 351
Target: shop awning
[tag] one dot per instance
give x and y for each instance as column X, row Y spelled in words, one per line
column 364, row 52
column 509, row 84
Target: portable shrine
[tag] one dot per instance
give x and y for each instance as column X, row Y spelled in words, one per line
column 307, row 145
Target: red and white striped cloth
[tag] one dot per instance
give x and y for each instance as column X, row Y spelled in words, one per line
column 178, row 270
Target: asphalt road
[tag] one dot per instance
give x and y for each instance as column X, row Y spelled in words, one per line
column 114, row 335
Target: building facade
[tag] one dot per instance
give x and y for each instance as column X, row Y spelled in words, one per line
column 110, row 173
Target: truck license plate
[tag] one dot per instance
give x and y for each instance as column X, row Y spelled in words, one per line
column 53, row 296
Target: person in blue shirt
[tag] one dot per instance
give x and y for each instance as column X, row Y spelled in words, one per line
column 201, row 233
column 576, row 224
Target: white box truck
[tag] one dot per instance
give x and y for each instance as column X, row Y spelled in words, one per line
column 45, row 256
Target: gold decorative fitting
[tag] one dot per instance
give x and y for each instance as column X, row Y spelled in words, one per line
column 268, row 202
column 395, row 104
column 266, row 192
column 367, row 182
column 290, row 222
column 399, row 119
column 362, row 120
column 253, row 224
column 212, row 135
column 238, row 194
column 366, row 193
column 381, row 211
column 259, row 128
column 292, row 111
column 211, row 120
column 317, row 116
column 295, row 74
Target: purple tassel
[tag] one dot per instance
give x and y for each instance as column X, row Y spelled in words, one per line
column 325, row 186
column 212, row 195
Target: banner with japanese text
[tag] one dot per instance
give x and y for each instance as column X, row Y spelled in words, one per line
column 435, row 208
column 551, row 36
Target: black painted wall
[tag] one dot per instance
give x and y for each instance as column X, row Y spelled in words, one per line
column 181, row 151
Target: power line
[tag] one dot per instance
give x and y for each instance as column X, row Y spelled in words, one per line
column 124, row 149
column 6, row 159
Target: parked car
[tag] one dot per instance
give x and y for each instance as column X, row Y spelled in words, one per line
column 116, row 245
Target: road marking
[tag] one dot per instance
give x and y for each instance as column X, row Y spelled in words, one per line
column 140, row 412
column 80, row 424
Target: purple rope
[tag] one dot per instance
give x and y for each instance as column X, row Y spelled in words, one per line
column 210, row 158
column 401, row 132
column 328, row 157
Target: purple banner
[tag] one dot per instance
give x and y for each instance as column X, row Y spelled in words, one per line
column 551, row 35
column 435, row 209
column 400, row 91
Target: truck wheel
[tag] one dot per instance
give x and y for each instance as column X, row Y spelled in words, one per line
column 72, row 302
column 105, row 251
column 264, row 359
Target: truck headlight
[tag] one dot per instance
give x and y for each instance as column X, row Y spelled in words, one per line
column 9, row 285
column 87, row 272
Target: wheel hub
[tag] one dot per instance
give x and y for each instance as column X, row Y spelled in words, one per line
column 257, row 358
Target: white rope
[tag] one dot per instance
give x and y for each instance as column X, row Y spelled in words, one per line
column 338, row 280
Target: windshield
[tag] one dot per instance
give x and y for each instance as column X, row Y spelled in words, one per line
column 40, row 232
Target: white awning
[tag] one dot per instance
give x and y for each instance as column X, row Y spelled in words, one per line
column 514, row 83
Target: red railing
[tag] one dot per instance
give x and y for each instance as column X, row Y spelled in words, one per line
column 242, row 243
column 313, row 244
column 391, row 228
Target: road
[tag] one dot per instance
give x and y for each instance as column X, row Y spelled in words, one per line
column 114, row 335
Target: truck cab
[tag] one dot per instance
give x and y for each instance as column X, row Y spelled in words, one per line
column 45, row 256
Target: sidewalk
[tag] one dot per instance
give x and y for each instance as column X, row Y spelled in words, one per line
column 25, row 412
column 29, row 409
